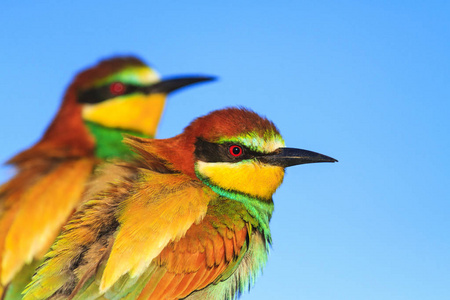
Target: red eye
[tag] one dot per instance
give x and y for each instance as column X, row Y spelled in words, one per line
column 235, row 150
column 117, row 88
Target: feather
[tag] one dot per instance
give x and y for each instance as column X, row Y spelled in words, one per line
column 33, row 222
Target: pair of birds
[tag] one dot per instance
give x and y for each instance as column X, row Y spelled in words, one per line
column 179, row 218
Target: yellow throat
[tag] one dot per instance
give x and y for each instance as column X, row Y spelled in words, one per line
column 138, row 112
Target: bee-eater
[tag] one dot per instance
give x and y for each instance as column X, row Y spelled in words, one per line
column 190, row 221
column 119, row 95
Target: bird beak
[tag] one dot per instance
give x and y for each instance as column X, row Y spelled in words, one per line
column 286, row 157
column 169, row 85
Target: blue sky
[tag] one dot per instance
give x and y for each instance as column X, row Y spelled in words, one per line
column 366, row 83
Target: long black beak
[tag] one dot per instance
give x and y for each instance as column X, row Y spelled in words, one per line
column 169, row 85
column 286, row 157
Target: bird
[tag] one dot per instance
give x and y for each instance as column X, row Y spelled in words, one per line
column 188, row 220
column 118, row 95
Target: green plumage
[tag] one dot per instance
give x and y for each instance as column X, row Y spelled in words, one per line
column 109, row 141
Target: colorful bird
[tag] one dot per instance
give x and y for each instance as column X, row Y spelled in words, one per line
column 189, row 221
column 119, row 95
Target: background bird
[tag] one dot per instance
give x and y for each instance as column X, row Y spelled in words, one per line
column 190, row 220
column 119, row 95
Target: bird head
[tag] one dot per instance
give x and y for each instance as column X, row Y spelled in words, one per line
column 118, row 95
column 234, row 151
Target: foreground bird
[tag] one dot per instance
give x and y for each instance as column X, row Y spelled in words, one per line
column 190, row 221
column 119, row 95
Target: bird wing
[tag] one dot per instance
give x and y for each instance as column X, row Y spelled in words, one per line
column 217, row 257
column 193, row 263
column 35, row 204
column 164, row 207
column 113, row 238
column 205, row 255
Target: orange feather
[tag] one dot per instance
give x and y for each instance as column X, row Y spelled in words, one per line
column 31, row 227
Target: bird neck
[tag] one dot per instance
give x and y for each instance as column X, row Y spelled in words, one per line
column 259, row 209
column 109, row 141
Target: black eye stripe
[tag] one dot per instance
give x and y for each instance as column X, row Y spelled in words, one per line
column 212, row 152
column 102, row 93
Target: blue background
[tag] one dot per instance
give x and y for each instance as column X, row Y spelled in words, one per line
column 366, row 83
